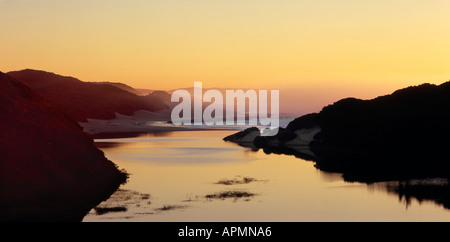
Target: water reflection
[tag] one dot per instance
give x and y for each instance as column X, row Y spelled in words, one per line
column 435, row 189
column 195, row 176
column 132, row 135
column 169, row 148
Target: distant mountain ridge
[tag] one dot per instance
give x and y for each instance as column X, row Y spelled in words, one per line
column 122, row 86
column 83, row 100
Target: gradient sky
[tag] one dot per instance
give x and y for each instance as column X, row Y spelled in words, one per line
column 332, row 48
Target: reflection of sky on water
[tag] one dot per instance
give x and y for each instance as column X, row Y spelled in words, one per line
column 179, row 169
column 180, row 155
column 171, row 150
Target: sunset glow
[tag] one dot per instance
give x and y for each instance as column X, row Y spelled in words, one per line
column 255, row 111
column 366, row 48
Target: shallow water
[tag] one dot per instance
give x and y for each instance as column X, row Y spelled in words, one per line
column 195, row 176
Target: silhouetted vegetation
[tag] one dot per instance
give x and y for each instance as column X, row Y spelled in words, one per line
column 230, row 194
column 105, row 210
column 236, row 181
column 122, row 200
column 170, row 207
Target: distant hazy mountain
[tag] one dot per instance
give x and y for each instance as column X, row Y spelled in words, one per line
column 83, row 100
column 122, row 86
column 49, row 169
column 143, row 92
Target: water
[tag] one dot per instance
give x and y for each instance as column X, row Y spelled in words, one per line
column 175, row 176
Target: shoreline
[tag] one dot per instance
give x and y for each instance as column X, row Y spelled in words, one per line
column 148, row 122
column 140, row 122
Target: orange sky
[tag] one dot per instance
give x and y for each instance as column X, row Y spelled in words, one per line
column 334, row 48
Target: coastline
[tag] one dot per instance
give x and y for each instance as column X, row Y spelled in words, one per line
column 150, row 122
column 140, row 122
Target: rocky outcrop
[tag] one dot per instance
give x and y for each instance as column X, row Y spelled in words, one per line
column 245, row 136
column 49, row 168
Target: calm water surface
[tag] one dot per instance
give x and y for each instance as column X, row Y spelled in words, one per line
column 179, row 176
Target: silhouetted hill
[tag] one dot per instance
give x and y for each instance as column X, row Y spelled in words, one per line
column 404, row 131
column 143, row 92
column 82, row 100
column 402, row 138
column 49, row 169
column 404, row 134
column 121, row 86
column 162, row 95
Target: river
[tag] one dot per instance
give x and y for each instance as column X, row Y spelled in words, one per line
column 196, row 176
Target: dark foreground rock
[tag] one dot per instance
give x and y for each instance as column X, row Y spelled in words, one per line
column 49, row 169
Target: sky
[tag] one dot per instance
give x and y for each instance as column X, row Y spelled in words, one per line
column 317, row 51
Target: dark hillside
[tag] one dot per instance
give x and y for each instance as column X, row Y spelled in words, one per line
column 83, row 100
column 49, row 169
